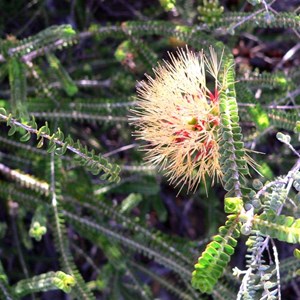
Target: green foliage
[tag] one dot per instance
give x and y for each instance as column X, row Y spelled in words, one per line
column 38, row 43
column 216, row 256
column 233, row 205
column 5, row 289
column 59, row 144
column 44, row 282
column 284, row 120
column 17, row 80
column 276, row 80
column 232, row 151
column 260, row 117
column 59, row 230
column 260, row 20
column 63, row 76
column 38, row 224
column 284, row 228
column 210, row 12
column 261, row 279
column 167, row 4
column 297, row 253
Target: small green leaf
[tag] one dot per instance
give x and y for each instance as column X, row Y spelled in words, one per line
column 9, row 119
column 64, row 148
column 104, row 176
column 130, row 202
column 3, row 111
column 95, row 171
column 40, row 143
column 297, row 127
column 60, row 135
column 12, row 130
column 69, row 140
column 51, row 147
column 64, row 281
column 233, row 205
column 25, row 137
column 43, row 130
column 297, row 253
column 59, row 151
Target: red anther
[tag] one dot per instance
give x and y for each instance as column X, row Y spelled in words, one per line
column 182, row 132
column 199, row 154
column 214, row 97
column 182, row 135
column 208, row 146
column 179, row 139
column 214, row 119
column 198, row 127
column 205, row 151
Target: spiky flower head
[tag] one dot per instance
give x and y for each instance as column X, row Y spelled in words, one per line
column 178, row 115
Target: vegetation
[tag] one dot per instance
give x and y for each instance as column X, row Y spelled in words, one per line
column 215, row 211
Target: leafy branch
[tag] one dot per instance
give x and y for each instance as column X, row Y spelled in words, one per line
column 59, row 145
column 44, row 282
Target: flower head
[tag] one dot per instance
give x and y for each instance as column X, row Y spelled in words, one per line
column 178, row 115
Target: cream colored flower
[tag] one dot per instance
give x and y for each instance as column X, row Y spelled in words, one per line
column 178, row 115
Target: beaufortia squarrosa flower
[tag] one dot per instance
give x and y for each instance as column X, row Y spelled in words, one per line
column 177, row 114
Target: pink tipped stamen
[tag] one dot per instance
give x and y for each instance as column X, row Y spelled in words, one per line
column 199, row 127
column 182, row 135
column 199, row 153
column 204, row 152
column 214, row 119
column 214, row 97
